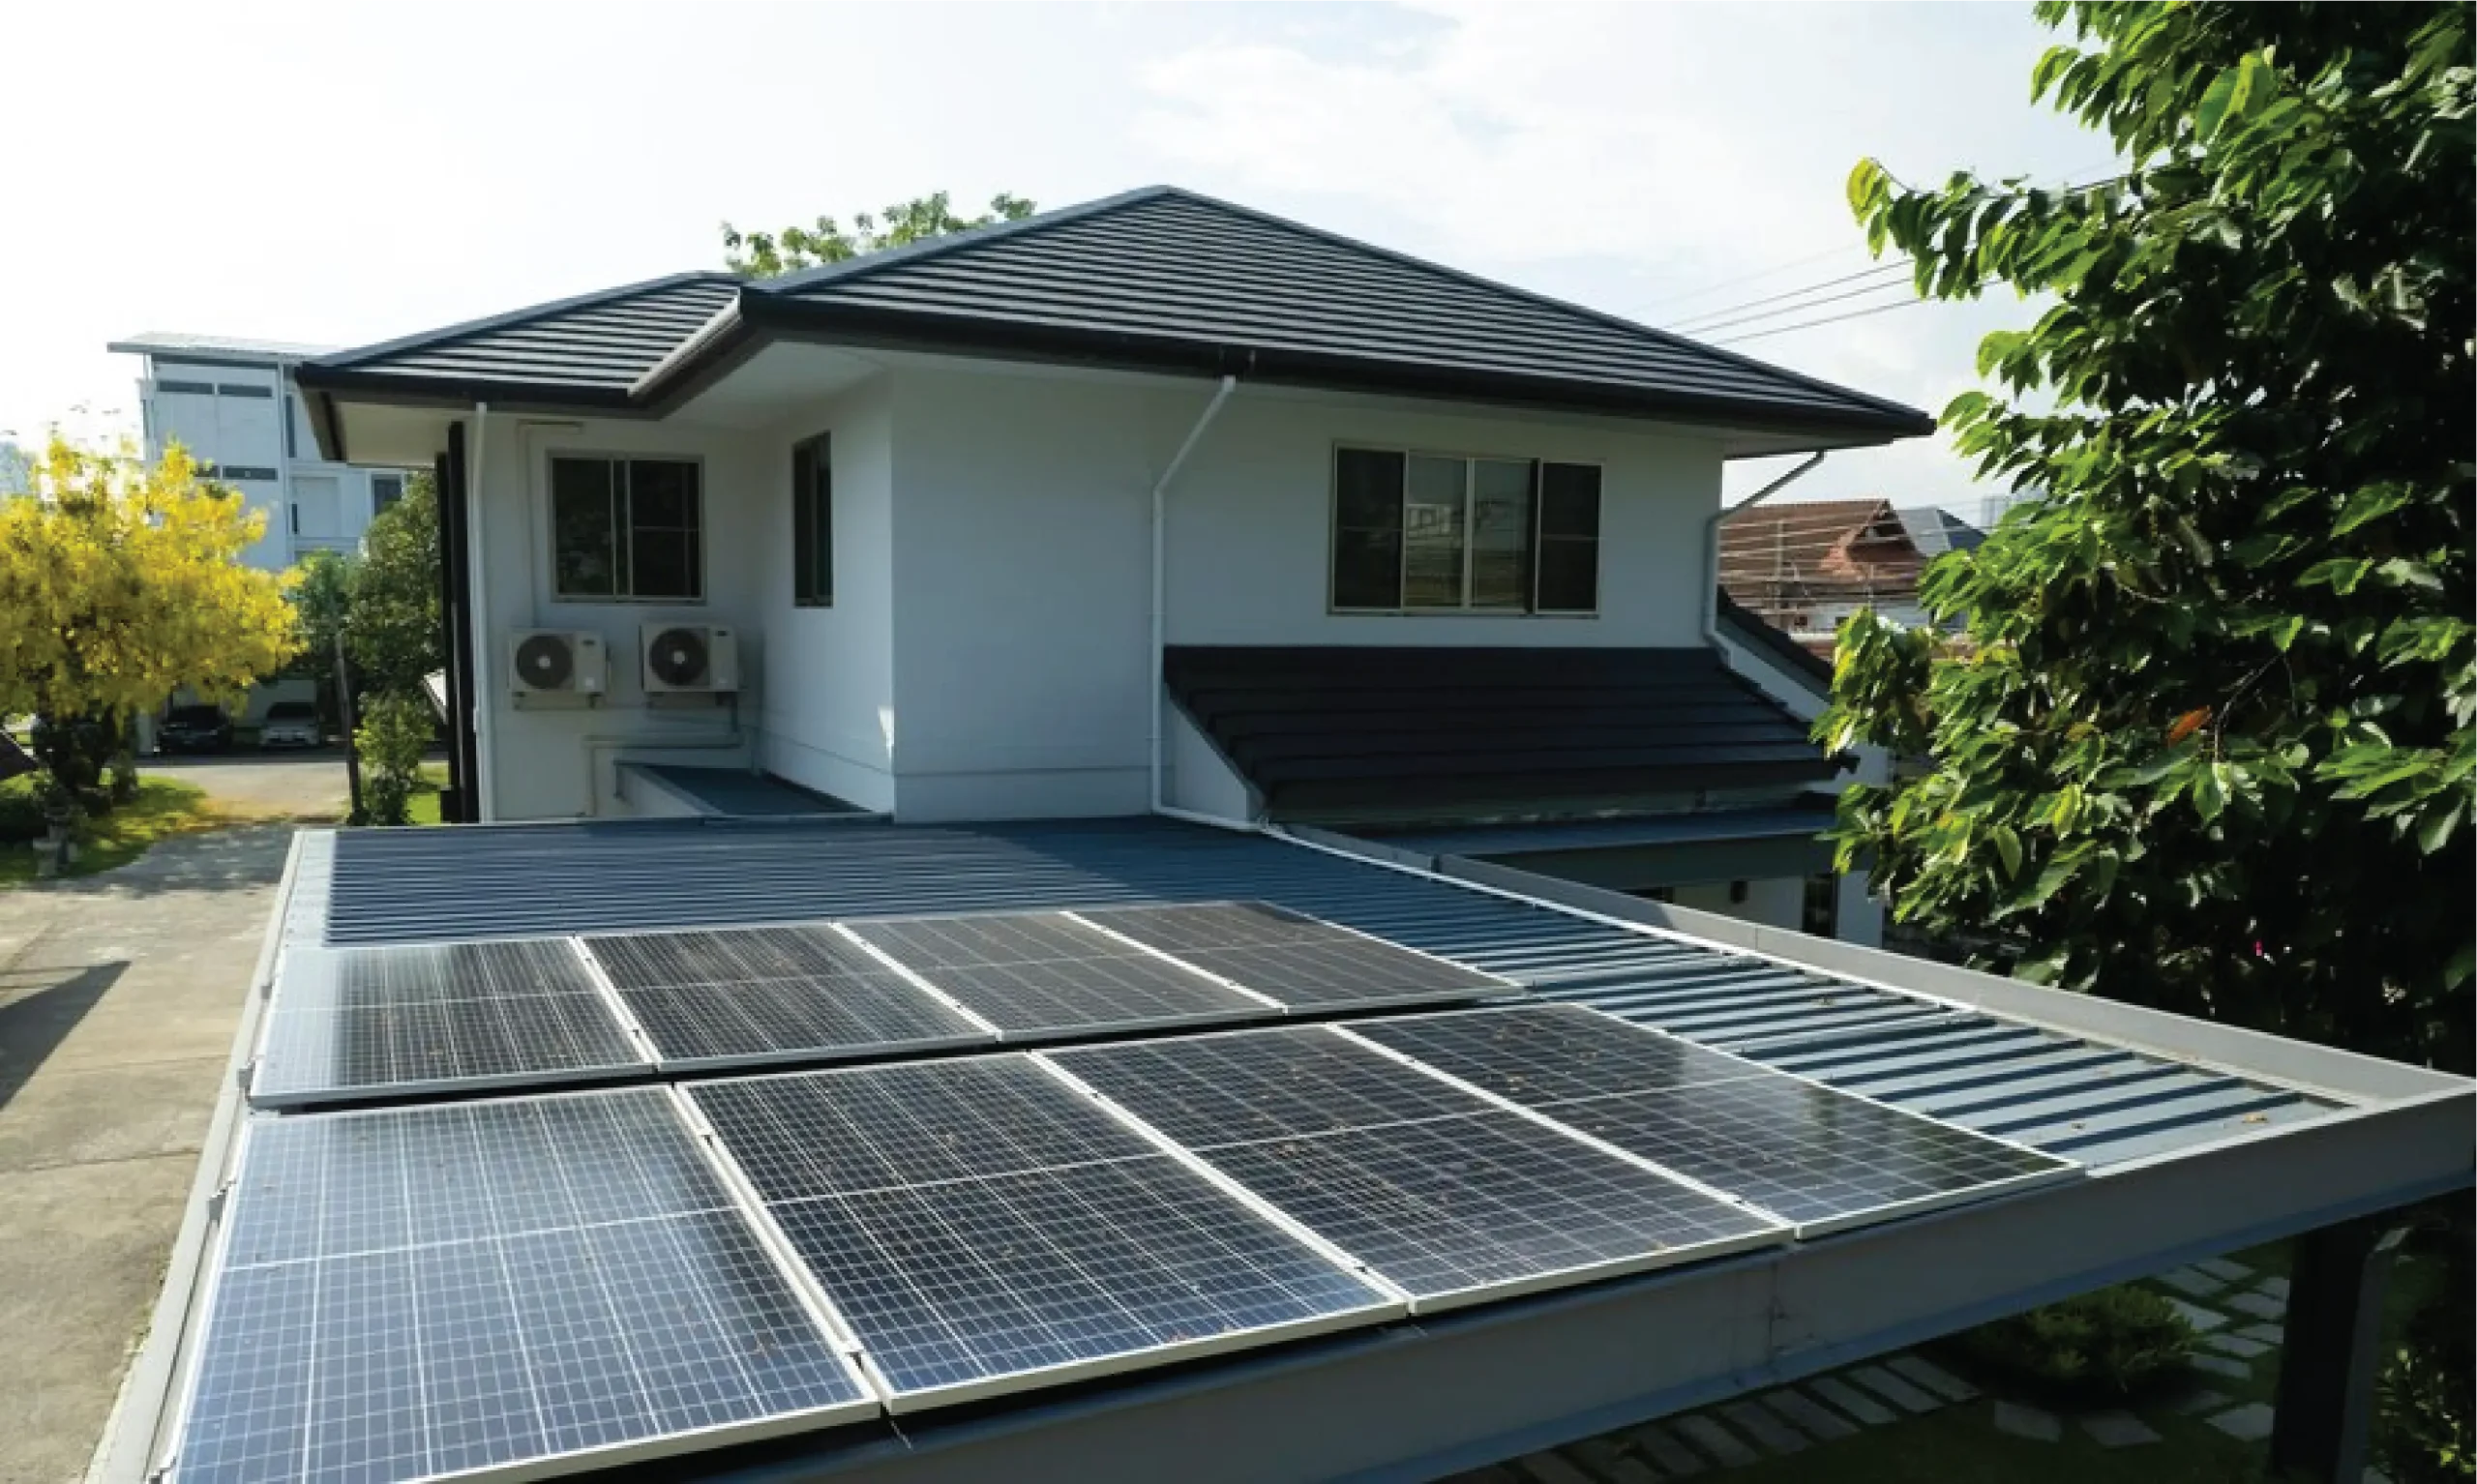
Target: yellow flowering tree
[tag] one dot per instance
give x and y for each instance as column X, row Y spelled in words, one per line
column 121, row 582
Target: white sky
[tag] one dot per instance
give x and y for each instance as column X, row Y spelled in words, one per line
column 343, row 173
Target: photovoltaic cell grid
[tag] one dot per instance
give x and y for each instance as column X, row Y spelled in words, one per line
column 422, row 1292
column 348, row 1024
column 1819, row 1158
column 1034, row 972
column 982, row 1228
column 765, row 993
column 1296, row 959
column 1449, row 1198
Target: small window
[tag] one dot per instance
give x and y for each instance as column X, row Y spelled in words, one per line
column 385, row 489
column 812, row 524
column 627, row 528
column 1425, row 533
column 291, row 438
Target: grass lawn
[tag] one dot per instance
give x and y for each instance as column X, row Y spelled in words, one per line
column 423, row 806
column 161, row 808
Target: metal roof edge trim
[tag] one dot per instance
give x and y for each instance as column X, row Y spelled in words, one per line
column 2241, row 1052
column 126, row 1451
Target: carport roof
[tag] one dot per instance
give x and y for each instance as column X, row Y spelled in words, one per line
column 2198, row 1138
column 1158, row 280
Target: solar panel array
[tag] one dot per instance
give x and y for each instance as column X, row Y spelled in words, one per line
column 362, row 1023
column 1818, row 1157
column 419, row 1292
column 534, row 1284
column 1440, row 1192
column 981, row 1228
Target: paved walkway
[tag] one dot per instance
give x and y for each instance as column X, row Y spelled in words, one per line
column 118, row 998
column 301, row 784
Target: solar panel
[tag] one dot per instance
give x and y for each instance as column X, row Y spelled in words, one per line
column 982, row 1228
column 756, row 994
column 1440, row 1193
column 412, row 1292
column 1817, row 1157
column 1299, row 961
column 1036, row 973
column 348, row 1024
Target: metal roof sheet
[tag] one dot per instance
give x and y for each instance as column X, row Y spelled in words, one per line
column 2095, row 1102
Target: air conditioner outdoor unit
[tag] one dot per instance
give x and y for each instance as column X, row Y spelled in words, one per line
column 690, row 659
column 556, row 661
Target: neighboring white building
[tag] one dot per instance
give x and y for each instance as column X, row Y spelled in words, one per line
column 233, row 405
column 1429, row 553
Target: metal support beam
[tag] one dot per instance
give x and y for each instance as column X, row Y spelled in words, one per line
column 2332, row 1351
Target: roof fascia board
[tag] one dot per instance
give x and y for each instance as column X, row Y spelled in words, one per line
column 854, row 325
column 228, row 360
column 1469, row 1389
column 360, row 355
column 2241, row 1052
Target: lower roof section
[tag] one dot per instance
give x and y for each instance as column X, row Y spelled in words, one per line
column 1426, row 733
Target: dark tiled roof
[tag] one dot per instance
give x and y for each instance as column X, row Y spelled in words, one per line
column 1158, row 272
column 1439, row 733
column 1750, row 630
column 596, row 344
column 1159, row 280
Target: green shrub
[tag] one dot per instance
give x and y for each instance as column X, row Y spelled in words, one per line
column 395, row 731
column 2105, row 1346
column 2424, row 1432
column 20, row 812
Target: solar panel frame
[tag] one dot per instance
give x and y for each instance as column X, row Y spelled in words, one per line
column 294, row 1023
column 1485, row 1123
column 1386, row 1304
column 224, row 1277
column 978, row 987
column 2049, row 1168
column 971, row 1030
column 1267, row 932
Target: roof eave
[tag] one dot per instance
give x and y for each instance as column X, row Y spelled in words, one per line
column 1001, row 339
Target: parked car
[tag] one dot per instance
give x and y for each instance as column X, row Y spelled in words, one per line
column 289, row 724
column 195, row 729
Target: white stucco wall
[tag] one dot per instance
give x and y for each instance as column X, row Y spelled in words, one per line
column 1022, row 562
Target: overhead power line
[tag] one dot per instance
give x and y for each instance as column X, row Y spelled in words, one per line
column 1833, row 319
column 1688, row 324
column 1802, row 306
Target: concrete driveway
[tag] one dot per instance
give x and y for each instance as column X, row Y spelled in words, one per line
column 119, row 995
column 301, row 784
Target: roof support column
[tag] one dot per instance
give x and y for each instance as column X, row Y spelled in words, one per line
column 2332, row 1350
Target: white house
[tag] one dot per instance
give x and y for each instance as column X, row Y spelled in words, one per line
column 232, row 404
column 1152, row 503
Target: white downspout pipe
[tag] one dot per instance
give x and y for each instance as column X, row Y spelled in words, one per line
column 477, row 578
column 1157, row 706
column 1712, row 544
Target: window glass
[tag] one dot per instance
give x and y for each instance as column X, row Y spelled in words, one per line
column 583, row 536
column 1569, row 558
column 385, row 489
column 664, row 559
column 1367, row 535
column 812, row 525
column 1501, row 534
column 1433, row 495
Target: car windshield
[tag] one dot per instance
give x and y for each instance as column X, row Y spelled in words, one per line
column 290, row 711
column 197, row 716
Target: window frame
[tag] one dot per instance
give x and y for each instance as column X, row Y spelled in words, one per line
column 1470, row 482
column 819, row 595
column 550, row 528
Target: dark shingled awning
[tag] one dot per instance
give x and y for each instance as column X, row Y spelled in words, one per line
column 1347, row 732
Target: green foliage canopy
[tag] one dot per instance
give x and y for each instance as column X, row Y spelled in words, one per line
column 398, row 629
column 2205, row 742
column 769, row 254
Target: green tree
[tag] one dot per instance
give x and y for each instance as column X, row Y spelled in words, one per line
column 2205, row 740
column 2205, row 743
column 769, row 254
column 398, row 632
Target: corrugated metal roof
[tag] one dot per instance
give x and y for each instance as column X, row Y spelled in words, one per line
column 2094, row 1101
column 1485, row 840
column 598, row 342
column 1422, row 733
column 1168, row 265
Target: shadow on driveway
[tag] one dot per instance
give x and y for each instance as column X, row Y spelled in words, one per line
column 33, row 1024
